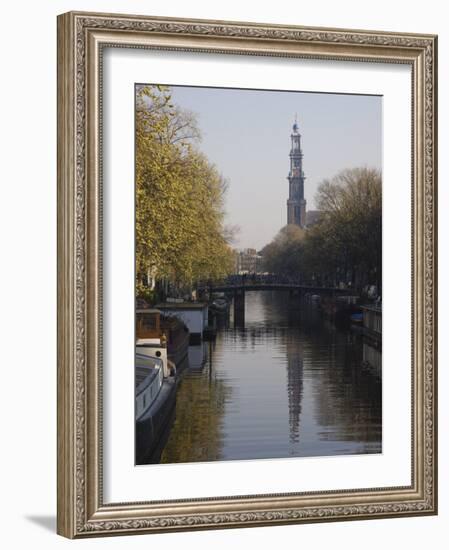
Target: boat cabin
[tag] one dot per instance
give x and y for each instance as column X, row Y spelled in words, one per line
column 150, row 338
column 193, row 314
column 148, row 323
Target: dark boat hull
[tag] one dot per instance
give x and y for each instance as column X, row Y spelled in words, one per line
column 151, row 426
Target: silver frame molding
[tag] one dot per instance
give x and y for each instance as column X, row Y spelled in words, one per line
column 81, row 38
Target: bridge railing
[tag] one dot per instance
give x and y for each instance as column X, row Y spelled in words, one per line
column 252, row 279
column 239, row 280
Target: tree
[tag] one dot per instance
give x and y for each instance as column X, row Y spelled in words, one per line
column 284, row 254
column 350, row 234
column 346, row 244
column 180, row 233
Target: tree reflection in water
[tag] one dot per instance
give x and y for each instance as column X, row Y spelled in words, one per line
column 282, row 383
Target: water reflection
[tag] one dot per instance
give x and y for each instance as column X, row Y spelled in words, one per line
column 281, row 383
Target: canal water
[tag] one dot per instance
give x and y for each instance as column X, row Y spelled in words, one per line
column 282, row 382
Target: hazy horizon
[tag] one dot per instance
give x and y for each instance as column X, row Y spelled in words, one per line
column 246, row 134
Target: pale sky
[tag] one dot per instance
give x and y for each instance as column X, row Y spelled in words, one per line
column 246, row 134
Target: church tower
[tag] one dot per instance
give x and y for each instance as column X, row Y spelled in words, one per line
column 296, row 204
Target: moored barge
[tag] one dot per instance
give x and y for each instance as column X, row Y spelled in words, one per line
column 155, row 403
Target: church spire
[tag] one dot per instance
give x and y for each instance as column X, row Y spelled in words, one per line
column 296, row 204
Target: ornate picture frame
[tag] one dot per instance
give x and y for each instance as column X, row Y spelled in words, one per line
column 82, row 39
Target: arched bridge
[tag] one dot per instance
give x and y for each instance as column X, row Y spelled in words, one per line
column 302, row 288
column 239, row 283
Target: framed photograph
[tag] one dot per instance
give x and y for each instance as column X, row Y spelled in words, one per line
column 246, row 274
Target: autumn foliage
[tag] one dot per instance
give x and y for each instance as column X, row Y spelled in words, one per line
column 180, row 234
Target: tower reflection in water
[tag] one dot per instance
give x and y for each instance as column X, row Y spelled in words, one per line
column 278, row 381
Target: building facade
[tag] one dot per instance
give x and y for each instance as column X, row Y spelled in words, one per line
column 296, row 204
column 248, row 261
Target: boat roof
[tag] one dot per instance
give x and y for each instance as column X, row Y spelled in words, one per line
column 146, row 369
column 143, row 377
column 150, row 342
column 147, row 361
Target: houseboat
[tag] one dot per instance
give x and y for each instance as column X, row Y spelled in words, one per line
column 372, row 337
column 162, row 336
column 193, row 314
column 372, row 320
column 155, row 404
column 219, row 304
